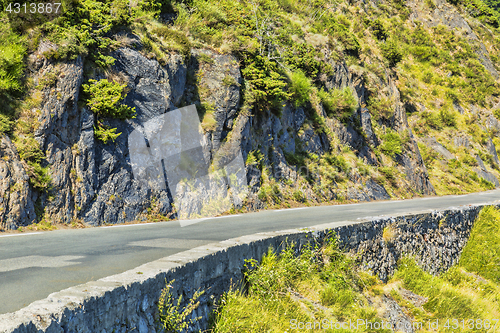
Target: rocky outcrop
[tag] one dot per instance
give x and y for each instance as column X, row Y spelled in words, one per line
column 461, row 141
column 492, row 150
column 94, row 182
column 16, row 205
column 217, row 84
column 410, row 159
column 484, row 173
column 439, row 148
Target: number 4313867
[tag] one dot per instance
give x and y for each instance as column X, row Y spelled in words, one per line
column 33, row 8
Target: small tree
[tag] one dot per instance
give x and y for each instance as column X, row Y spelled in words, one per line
column 391, row 52
column 105, row 99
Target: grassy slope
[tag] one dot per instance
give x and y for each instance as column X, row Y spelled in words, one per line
column 282, row 60
column 325, row 284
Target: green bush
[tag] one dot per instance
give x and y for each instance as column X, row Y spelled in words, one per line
column 105, row 133
column 300, row 88
column 29, row 149
column 305, row 58
column 265, row 82
column 172, row 316
column 392, row 52
column 12, row 52
column 5, row 124
column 342, row 34
column 340, row 103
column 448, row 117
column 30, row 152
column 392, row 144
column 379, row 30
column 104, row 99
column 338, row 161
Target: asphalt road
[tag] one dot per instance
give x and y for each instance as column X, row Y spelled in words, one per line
column 33, row 265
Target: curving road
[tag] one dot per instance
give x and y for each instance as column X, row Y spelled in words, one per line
column 33, row 265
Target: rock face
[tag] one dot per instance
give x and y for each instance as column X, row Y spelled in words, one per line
column 410, row 159
column 439, row 148
column 93, row 182
column 493, row 151
column 16, row 205
column 484, row 173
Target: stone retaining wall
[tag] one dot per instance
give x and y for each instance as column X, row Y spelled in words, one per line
column 126, row 302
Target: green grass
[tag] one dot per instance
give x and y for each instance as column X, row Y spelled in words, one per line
column 284, row 288
column 482, row 252
column 325, row 283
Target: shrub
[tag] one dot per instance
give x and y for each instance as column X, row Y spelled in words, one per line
column 265, row 83
column 342, row 34
column 338, row 102
column 104, row 99
column 105, row 133
column 300, row 88
column 30, row 152
column 392, row 144
column 379, row 30
column 5, row 123
column 305, row 58
column 39, row 176
column 337, row 161
column 381, row 107
column 29, row 149
column 448, row 117
column 172, row 316
column 391, row 52
column 390, row 174
column 12, row 52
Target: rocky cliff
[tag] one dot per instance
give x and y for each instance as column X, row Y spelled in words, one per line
column 298, row 153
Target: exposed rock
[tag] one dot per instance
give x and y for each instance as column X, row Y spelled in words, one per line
column 366, row 125
column 458, row 107
column 218, row 84
column 399, row 320
column 415, row 299
column 490, row 146
column 461, row 141
column 357, row 195
column 411, row 160
column 376, row 191
column 16, row 206
column 484, row 173
column 58, row 131
column 150, row 91
column 439, row 148
column 491, row 122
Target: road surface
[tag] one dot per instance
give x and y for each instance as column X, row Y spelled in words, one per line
column 34, row 265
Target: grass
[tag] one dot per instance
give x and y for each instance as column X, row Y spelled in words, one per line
column 482, row 252
column 323, row 283
column 320, row 284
